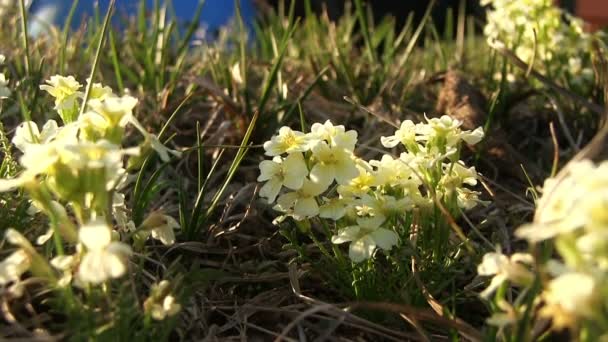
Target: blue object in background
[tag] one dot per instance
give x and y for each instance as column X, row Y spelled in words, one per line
column 214, row 15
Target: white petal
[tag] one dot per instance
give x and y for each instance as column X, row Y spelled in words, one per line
column 268, row 169
column 322, row 174
column 345, row 172
column 346, row 234
column 361, row 249
column 14, row 183
column 496, row 282
column 62, row 262
column 389, row 142
column 287, row 201
column 17, row 239
column 385, row 238
column 270, row 190
column 334, row 211
column 306, row 207
column 95, row 235
column 91, row 268
column 42, row 239
column 165, row 234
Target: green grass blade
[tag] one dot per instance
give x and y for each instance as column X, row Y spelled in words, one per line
column 65, row 33
column 366, row 31
column 104, row 28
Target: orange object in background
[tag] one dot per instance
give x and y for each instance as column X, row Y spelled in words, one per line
column 594, row 12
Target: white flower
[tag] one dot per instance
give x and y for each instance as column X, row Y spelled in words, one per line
column 161, row 304
column 154, row 142
column 359, row 185
column 93, row 126
column 4, row 90
column 168, row 308
column 472, row 137
column 104, row 259
column 14, row 266
column 17, row 239
column 467, row 199
column 162, row 150
column 235, row 72
column 335, row 136
column 287, row 141
column 570, row 204
column 504, row 268
column 65, row 264
column 118, row 111
column 332, row 163
column 301, row 203
column 19, row 262
column 27, row 134
column 162, row 227
column 364, row 238
column 570, row 297
column 394, row 172
column 99, row 91
column 333, row 208
column 39, row 159
column 65, row 90
column 445, row 130
column 406, row 135
column 289, row 172
column 100, row 155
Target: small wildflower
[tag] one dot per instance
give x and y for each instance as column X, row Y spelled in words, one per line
column 66, row 91
column 66, row 264
column 161, row 227
column 288, row 141
column 161, row 304
column 104, row 259
column 235, row 72
column 335, row 136
column 569, row 297
column 359, row 185
column 27, row 134
column 301, row 203
column 333, row 208
column 406, row 135
column 504, row 268
column 289, row 172
column 332, row 163
column 364, row 238
column 11, row 270
column 117, row 111
column 99, row 91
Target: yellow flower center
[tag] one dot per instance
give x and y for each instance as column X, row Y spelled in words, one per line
column 290, row 140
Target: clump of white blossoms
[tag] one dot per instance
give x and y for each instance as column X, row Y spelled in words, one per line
column 539, row 30
column 317, row 176
column 73, row 172
column 571, row 216
column 161, row 304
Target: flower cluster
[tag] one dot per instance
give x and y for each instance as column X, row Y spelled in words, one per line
column 73, row 174
column 572, row 215
column 536, row 29
column 161, row 303
column 318, row 175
